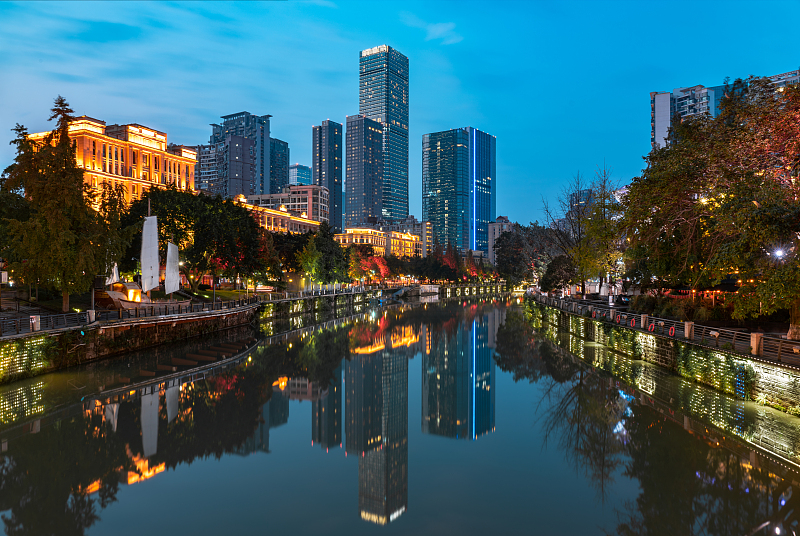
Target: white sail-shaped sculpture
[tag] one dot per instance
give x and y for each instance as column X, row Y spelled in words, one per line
column 114, row 277
column 172, row 278
column 150, row 265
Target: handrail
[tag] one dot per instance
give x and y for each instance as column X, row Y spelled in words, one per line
column 767, row 348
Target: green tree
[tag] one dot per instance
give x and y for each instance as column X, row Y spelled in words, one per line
column 603, row 231
column 561, row 272
column 309, row 261
column 65, row 242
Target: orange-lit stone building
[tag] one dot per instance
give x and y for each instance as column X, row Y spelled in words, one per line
column 279, row 220
column 382, row 242
column 135, row 156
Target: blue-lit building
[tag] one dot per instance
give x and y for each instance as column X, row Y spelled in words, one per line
column 278, row 165
column 458, row 381
column 383, row 97
column 299, row 175
column 459, row 185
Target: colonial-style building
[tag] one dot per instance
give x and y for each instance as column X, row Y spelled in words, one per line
column 279, row 220
column 383, row 242
column 133, row 155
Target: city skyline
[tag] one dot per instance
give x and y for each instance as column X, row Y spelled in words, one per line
column 458, row 77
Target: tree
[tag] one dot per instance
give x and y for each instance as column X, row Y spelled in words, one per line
column 568, row 219
column 603, row 233
column 333, row 264
column 65, row 242
column 561, row 272
column 309, row 261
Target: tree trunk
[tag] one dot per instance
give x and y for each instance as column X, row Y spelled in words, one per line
column 794, row 321
column 64, row 301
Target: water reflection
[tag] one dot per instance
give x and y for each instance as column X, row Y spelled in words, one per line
column 609, row 417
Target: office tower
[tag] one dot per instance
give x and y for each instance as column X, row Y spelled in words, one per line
column 364, row 170
column 383, row 97
column 363, row 401
column 255, row 128
column 458, row 186
column 326, row 420
column 259, row 440
column 458, row 381
column 326, row 170
column 299, row 175
column 278, row 165
column 278, row 409
column 496, row 228
column 694, row 100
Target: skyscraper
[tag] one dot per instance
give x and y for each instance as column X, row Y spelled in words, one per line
column 278, row 165
column 226, row 167
column 326, row 424
column 383, row 97
column 363, row 169
column 458, row 186
column 326, row 170
column 299, row 175
column 255, row 128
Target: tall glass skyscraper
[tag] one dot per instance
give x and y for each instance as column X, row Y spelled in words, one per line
column 253, row 127
column 458, row 186
column 278, row 165
column 326, row 170
column 383, row 97
column 363, row 170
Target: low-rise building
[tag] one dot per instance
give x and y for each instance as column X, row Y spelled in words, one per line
column 496, row 228
column 383, row 243
column 278, row 220
column 133, row 155
column 310, row 201
column 410, row 225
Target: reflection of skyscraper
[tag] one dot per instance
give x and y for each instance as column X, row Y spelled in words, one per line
column 383, row 473
column 458, row 383
column 278, row 409
column 259, row 441
column 326, row 421
column 363, row 403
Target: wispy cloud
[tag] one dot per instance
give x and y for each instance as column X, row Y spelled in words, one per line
column 444, row 31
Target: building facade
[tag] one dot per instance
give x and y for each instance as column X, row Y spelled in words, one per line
column 496, row 228
column 410, row 225
column 383, row 97
column 133, row 155
column 310, row 201
column 364, row 170
column 255, row 128
column 299, row 175
column 383, row 243
column 326, row 419
column 458, row 186
column 278, row 221
column 326, row 170
column 278, row 165
column 694, row 100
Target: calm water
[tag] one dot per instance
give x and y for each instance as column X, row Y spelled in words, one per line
column 461, row 418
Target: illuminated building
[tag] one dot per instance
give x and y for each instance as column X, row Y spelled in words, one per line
column 410, row 225
column 692, row 101
column 383, row 97
column 326, row 151
column 310, row 199
column 458, row 186
column 495, row 229
column 254, row 128
column 363, row 402
column 383, row 243
column 278, row 165
column 299, row 174
column 135, row 156
column 458, row 382
column 279, row 221
column 326, row 420
column 364, row 170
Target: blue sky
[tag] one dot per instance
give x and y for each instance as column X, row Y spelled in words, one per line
column 563, row 85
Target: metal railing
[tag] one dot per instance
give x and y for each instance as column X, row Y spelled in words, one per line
column 740, row 341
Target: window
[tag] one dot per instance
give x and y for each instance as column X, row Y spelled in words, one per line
column 94, row 148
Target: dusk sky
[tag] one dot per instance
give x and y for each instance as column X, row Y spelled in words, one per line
column 563, row 85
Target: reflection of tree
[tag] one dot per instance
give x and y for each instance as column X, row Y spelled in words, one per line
column 584, row 416
column 48, row 493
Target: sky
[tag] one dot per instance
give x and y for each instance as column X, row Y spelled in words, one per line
column 564, row 86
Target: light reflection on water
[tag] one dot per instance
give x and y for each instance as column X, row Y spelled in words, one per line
column 512, row 425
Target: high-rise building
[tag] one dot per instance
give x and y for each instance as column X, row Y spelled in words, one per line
column 132, row 155
column 496, row 228
column 383, row 97
column 226, row 168
column 255, row 128
column 363, row 401
column 278, row 165
column 326, row 419
column 299, row 175
column 694, row 100
column 458, row 186
column 326, row 170
column 364, row 170
column 458, row 382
